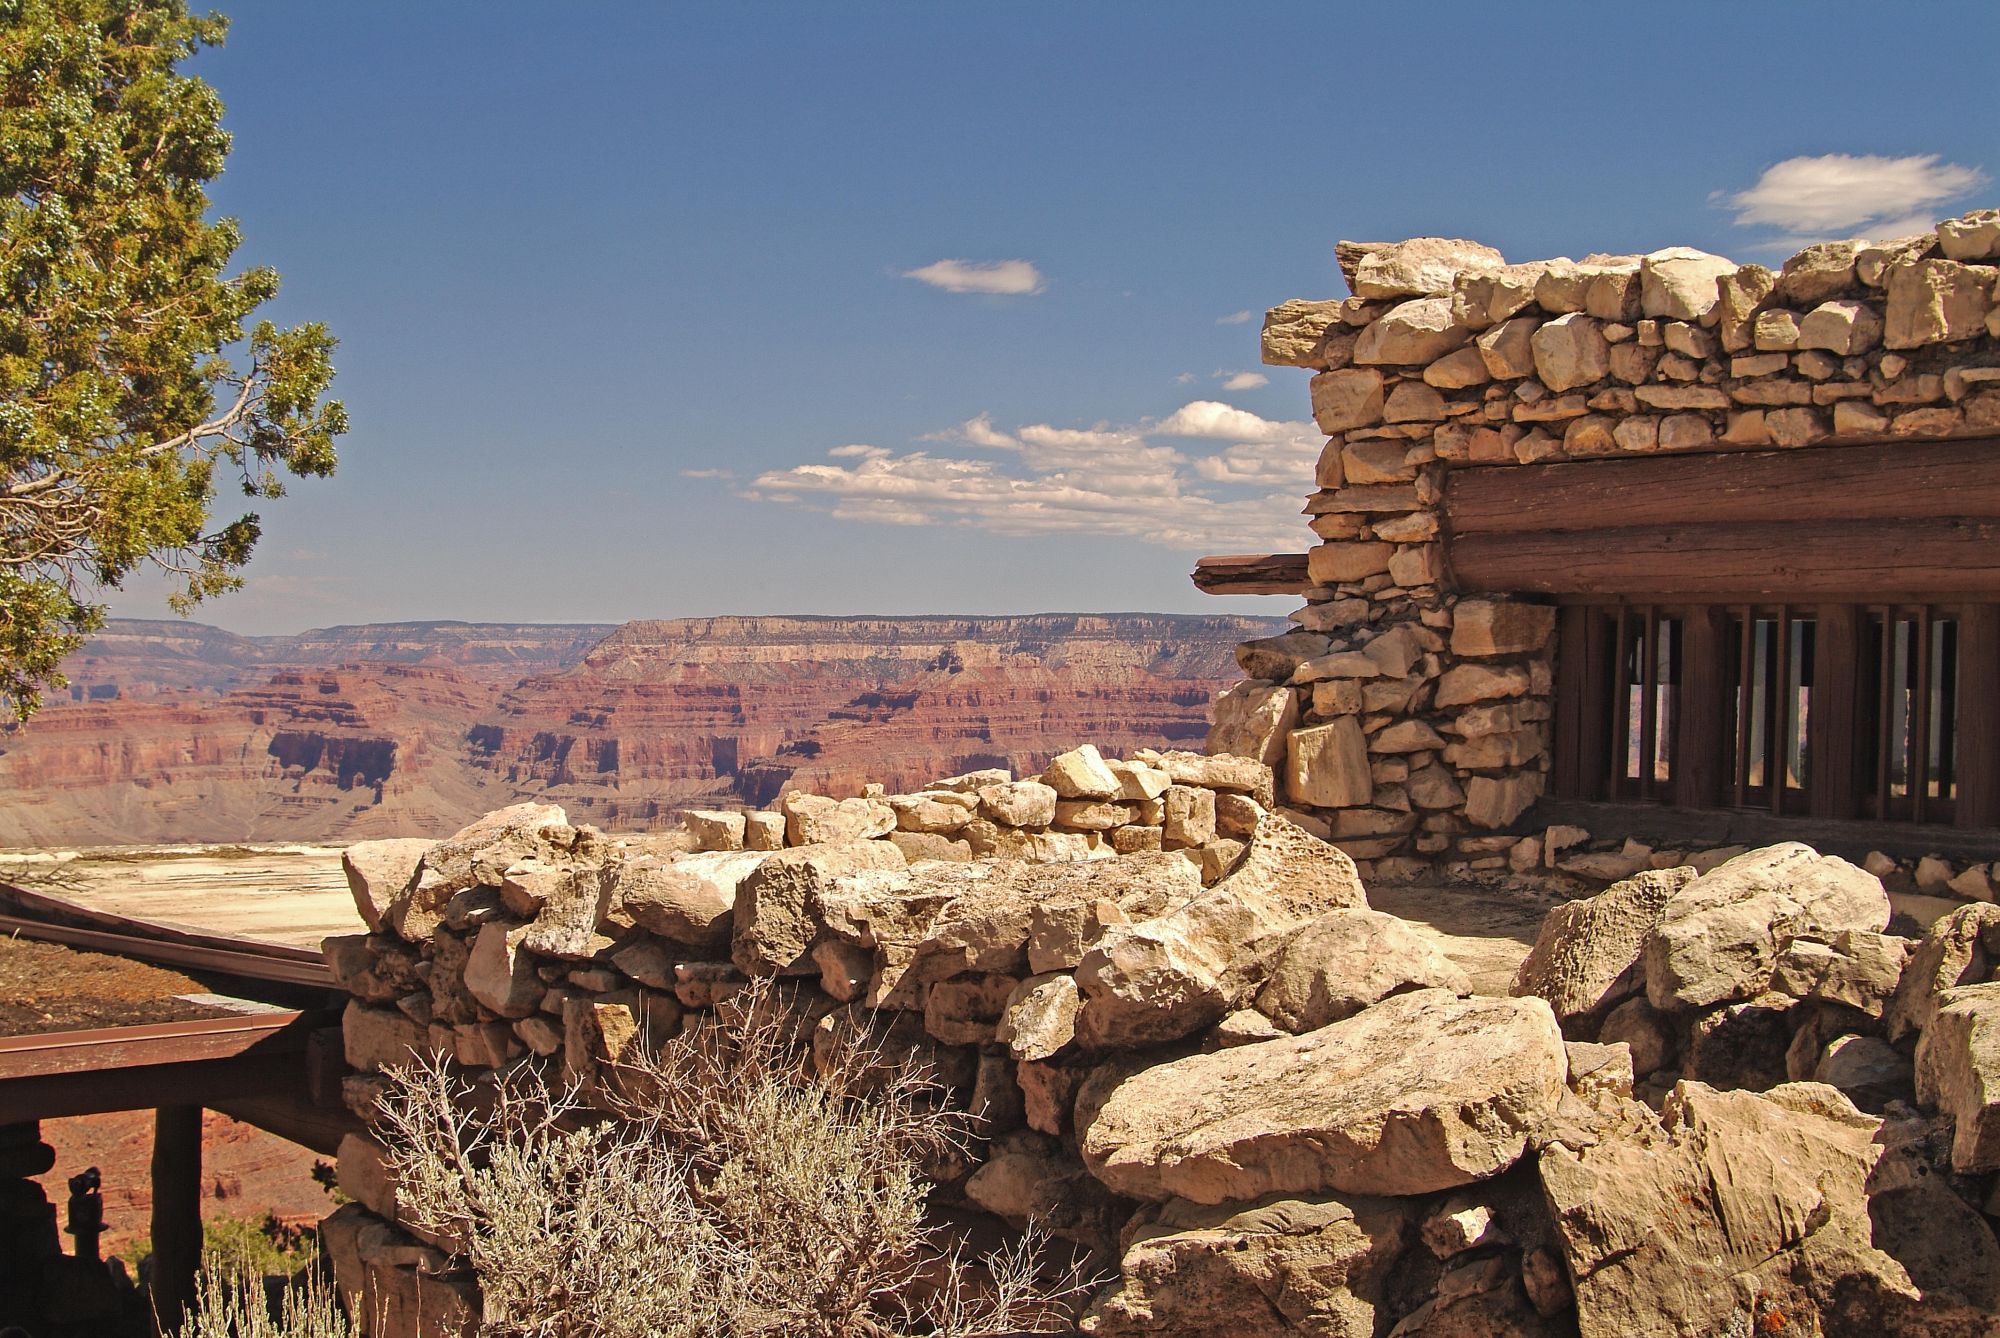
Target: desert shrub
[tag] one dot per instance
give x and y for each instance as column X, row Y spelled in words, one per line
column 750, row 1187
column 232, row 1301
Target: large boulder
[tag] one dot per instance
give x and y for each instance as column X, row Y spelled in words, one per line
column 777, row 915
column 378, row 871
column 1421, row 1092
column 1586, row 958
column 1718, row 938
column 1421, row 266
column 1179, row 972
column 1958, row 949
column 1752, row 1213
column 1348, row 959
column 937, row 920
column 813, row 819
column 689, row 900
column 1856, row 969
column 1252, row 719
column 479, row 855
column 1280, row 1265
column 1958, row 1072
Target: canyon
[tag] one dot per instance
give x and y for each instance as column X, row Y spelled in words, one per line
column 176, row 731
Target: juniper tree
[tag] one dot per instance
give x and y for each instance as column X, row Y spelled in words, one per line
column 132, row 386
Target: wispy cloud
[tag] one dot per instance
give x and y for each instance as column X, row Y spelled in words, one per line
column 1848, row 195
column 1241, row 490
column 1243, row 380
column 725, row 475
column 1008, row 277
column 1234, row 318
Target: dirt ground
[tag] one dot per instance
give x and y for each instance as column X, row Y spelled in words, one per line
column 277, row 893
column 1485, row 931
column 47, row 987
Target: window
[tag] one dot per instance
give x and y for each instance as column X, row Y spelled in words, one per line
column 1884, row 712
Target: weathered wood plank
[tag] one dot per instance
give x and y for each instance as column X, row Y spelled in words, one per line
column 1979, row 717
column 1946, row 556
column 1833, row 725
column 1253, row 574
column 1701, row 733
column 1839, row 483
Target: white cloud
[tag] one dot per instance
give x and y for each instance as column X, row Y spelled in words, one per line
column 1234, row 318
column 1010, row 277
column 1284, row 462
column 1843, row 194
column 1186, row 379
column 723, row 474
column 1225, row 422
column 1244, row 380
column 1101, row 480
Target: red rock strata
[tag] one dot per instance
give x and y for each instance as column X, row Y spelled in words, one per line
column 180, row 732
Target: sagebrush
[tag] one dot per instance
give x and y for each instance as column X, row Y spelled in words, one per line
column 751, row 1185
column 231, row 1301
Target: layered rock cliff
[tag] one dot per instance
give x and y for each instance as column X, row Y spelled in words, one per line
column 182, row 732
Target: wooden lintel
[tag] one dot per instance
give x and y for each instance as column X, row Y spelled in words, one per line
column 1792, row 559
column 1823, row 484
column 1253, row 574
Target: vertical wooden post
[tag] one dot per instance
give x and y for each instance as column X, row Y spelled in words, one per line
column 176, row 1211
column 1582, row 762
column 1699, row 733
column 1979, row 717
column 1834, row 722
column 1566, row 761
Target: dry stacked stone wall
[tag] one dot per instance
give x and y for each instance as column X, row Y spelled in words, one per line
column 1263, row 1107
column 1411, row 725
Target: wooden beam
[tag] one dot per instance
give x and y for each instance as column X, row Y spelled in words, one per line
column 1948, row 556
column 1833, row 725
column 56, row 1052
column 1253, row 574
column 1838, row 483
column 1979, row 717
column 1701, row 733
column 176, row 1211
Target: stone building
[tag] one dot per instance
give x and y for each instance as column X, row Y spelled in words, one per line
column 1671, row 551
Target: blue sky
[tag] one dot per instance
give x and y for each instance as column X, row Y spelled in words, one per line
column 613, row 281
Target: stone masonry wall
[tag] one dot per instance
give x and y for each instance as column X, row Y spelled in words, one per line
column 1410, row 725
column 1261, row 1107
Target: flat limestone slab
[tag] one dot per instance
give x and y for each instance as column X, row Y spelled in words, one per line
column 1421, row 1092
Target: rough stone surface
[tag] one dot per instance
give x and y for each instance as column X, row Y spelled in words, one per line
column 1958, row 1072
column 1177, row 973
column 377, row 871
column 1953, row 952
column 1315, row 1265
column 1586, row 957
column 1719, row 936
column 1787, row 1236
column 690, row 900
column 1346, row 960
column 1413, row 333
column 775, row 916
column 1420, row 267
column 1421, row 1092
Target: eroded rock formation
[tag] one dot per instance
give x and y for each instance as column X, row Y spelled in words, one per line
column 179, row 732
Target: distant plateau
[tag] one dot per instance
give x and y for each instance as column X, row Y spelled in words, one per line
column 174, row 731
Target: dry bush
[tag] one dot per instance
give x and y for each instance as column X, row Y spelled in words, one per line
column 747, row 1189
column 231, row 1302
